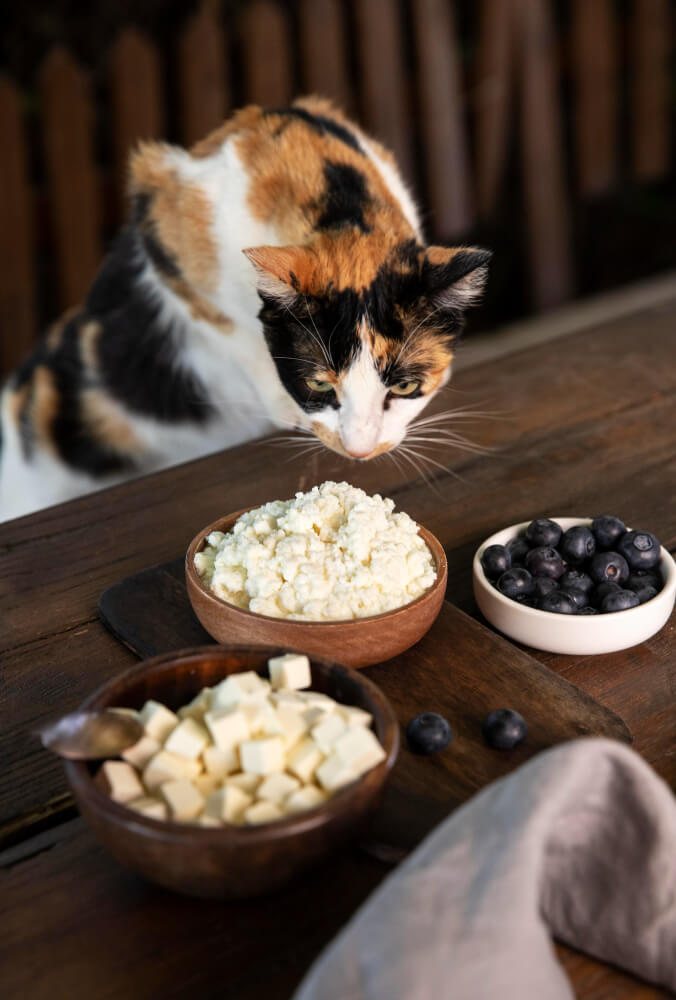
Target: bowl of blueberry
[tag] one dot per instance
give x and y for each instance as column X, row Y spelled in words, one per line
column 575, row 585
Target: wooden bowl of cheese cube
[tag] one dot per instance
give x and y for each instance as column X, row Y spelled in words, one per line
column 293, row 798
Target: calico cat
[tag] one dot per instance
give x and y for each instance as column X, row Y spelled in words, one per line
column 275, row 275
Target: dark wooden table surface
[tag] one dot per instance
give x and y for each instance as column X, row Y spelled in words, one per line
column 586, row 426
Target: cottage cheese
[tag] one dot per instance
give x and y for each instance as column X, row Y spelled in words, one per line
column 334, row 553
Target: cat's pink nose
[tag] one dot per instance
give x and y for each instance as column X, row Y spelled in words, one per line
column 358, row 454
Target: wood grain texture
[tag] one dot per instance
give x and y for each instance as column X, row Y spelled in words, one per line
column 542, row 155
column 68, row 126
column 323, row 47
column 203, row 81
column 442, row 113
column 17, row 269
column 267, row 54
column 136, row 97
column 596, row 91
column 587, row 427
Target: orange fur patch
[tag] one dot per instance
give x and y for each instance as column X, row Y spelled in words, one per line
column 106, row 423
column 44, row 405
column 180, row 213
column 89, row 334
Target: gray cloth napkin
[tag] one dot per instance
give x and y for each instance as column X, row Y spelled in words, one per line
column 579, row 843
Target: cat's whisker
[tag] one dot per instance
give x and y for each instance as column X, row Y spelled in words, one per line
column 457, row 444
column 431, row 461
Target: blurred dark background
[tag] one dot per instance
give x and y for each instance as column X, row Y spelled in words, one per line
column 540, row 128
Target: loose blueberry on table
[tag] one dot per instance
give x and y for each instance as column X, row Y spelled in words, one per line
column 584, row 570
column 428, row 733
column 504, row 729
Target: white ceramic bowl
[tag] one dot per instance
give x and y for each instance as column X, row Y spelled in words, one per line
column 571, row 633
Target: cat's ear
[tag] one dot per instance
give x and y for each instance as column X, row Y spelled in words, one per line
column 282, row 273
column 454, row 277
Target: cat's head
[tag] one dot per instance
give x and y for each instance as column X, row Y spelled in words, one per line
column 360, row 346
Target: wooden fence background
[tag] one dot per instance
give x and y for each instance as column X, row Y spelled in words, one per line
column 452, row 112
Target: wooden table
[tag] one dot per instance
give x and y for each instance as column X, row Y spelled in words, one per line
column 587, row 425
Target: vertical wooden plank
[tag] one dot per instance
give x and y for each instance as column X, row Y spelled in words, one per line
column 68, row 126
column 267, row 54
column 542, row 157
column 493, row 86
column 442, row 114
column 136, row 97
column 384, row 87
column 324, row 50
column 596, row 85
column 204, row 95
column 17, row 276
column 651, row 44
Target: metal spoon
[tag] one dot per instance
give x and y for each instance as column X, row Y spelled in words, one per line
column 91, row 735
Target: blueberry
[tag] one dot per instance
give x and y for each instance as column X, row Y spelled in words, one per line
column 609, row 566
column 579, row 597
column 607, row 531
column 641, row 549
column 495, row 560
column 545, row 561
column 576, row 579
column 620, row 600
column 543, row 532
column 515, row 582
column 504, row 729
column 558, row 602
column 644, row 591
column 530, row 600
column 587, row 610
column 544, row 585
column 600, row 591
column 428, row 733
column 577, row 544
column 517, row 548
column 645, row 576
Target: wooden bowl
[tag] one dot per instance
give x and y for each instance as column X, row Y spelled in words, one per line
column 232, row 861
column 358, row 642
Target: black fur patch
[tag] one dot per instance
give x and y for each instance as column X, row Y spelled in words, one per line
column 136, row 351
column 320, row 124
column 163, row 261
column 345, row 199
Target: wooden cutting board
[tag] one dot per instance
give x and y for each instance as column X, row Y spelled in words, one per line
column 460, row 668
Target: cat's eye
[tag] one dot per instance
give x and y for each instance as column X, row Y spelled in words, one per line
column 318, row 385
column 404, row 388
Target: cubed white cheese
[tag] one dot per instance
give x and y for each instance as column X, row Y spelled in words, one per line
column 262, row 756
column 314, row 715
column 293, row 726
column 141, row 752
column 206, row 783
column 157, row 720
column 262, row 718
column 247, row 782
column 119, row 780
column 228, row 727
column 188, row 739
column 292, row 670
column 196, row 708
column 326, row 732
column 165, row 766
column 182, row 798
column 276, row 787
column 204, row 820
column 334, row 773
column 239, row 689
column 228, row 803
column 359, row 749
column 355, row 716
column 315, row 699
column 304, row 760
column 149, row 806
column 220, row 762
column 262, row 812
column 288, row 699
column 306, row 797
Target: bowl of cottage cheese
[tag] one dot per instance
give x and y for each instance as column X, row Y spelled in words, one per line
column 333, row 571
